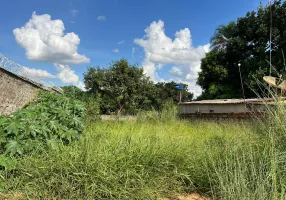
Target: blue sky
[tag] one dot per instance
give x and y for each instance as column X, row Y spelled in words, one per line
column 111, row 29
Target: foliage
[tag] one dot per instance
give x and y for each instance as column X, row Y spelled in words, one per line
column 168, row 113
column 92, row 102
column 129, row 160
column 48, row 121
column 245, row 41
column 143, row 160
column 92, row 112
column 158, row 156
column 124, row 87
column 73, row 92
column 148, row 115
column 7, row 163
column 163, row 92
column 121, row 87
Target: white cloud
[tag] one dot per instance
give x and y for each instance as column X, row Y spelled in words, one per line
column 101, row 18
column 44, row 40
column 121, row 42
column 160, row 50
column 72, row 22
column 68, row 76
column 115, row 50
column 74, row 12
column 38, row 73
column 176, row 71
column 81, row 85
column 150, row 69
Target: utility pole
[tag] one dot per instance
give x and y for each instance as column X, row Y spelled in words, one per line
column 180, row 87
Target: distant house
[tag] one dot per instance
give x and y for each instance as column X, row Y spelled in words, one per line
column 223, row 107
column 17, row 88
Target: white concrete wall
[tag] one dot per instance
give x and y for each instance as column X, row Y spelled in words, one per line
column 216, row 108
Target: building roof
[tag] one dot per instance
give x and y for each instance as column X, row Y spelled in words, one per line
column 229, row 101
column 17, row 70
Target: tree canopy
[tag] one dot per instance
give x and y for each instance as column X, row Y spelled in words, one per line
column 246, row 41
column 124, row 87
column 74, row 92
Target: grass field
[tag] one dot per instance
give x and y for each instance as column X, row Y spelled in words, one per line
column 153, row 159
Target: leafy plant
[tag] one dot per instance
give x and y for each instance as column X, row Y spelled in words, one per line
column 92, row 112
column 48, row 121
column 7, row 163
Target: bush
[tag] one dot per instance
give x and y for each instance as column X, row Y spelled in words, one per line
column 46, row 122
column 151, row 115
column 92, row 112
column 169, row 113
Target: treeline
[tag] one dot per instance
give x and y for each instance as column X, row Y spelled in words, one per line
column 124, row 88
column 246, row 41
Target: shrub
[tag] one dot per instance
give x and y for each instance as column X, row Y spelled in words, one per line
column 169, row 113
column 92, row 112
column 151, row 115
column 49, row 120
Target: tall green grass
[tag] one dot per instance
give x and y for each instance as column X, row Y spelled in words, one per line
column 136, row 160
column 159, row 156
column 168, row 113
column 258, row 170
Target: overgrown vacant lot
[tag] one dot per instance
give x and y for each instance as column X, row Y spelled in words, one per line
column 152, row 160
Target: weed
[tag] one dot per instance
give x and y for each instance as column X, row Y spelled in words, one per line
column 49, row 120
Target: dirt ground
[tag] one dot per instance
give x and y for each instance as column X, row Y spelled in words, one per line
column 193, row 196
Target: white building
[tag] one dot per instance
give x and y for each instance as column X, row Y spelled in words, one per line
column 225, row 107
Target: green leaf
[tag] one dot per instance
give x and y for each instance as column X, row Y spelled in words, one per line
column 7, row 163
column 53, row 125
column 53, row 143
column 13, row 148
column 14, row 127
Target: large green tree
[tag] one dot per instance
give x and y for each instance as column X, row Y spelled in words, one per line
column 122, row 86
column 247, row 42
column 167, row 91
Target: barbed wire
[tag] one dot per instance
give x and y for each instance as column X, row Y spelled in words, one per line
column 18, row 70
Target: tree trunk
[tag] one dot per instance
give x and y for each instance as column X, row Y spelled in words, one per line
column 119, row 110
